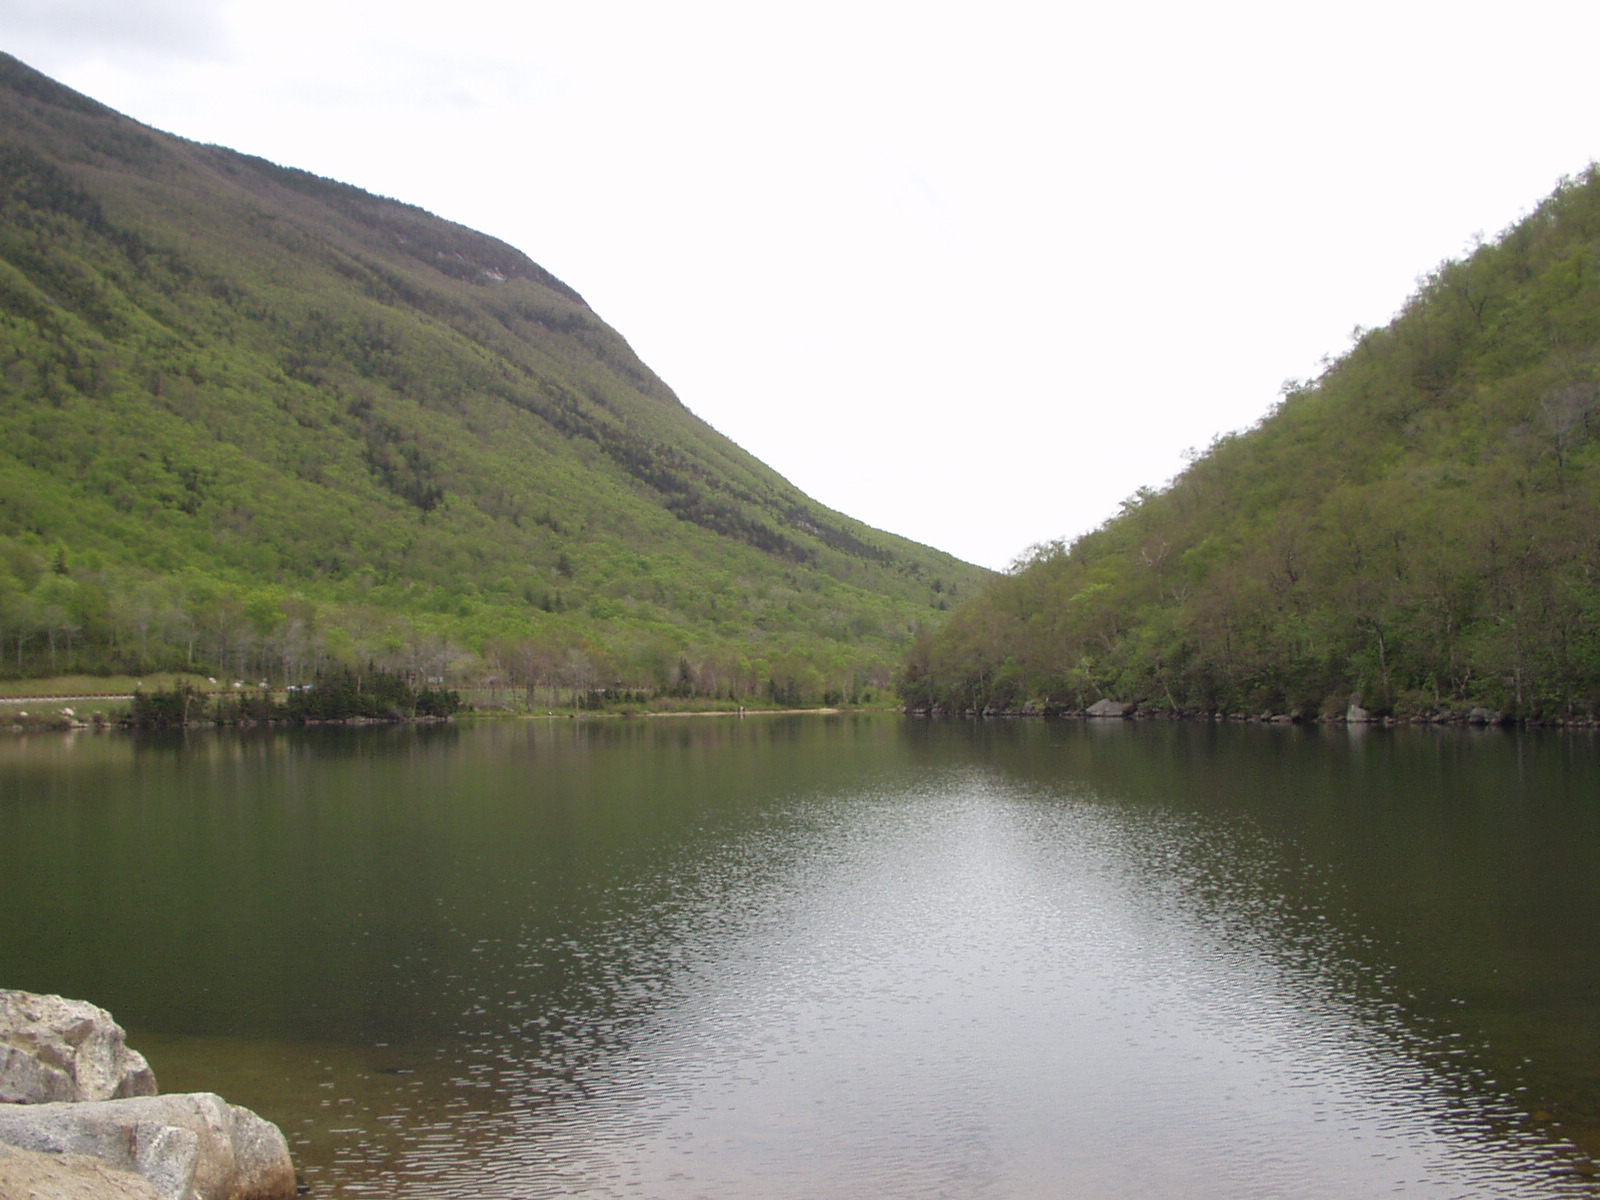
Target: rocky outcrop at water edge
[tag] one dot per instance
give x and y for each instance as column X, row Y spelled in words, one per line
column 1108, row 709
column 25, row 1174
column 81, row 1119
column 54, row 1049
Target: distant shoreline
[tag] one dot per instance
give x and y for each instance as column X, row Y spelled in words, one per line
column 56, row 723
column 1154, row 717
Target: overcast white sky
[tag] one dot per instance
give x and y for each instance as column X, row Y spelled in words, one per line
column 969, row 273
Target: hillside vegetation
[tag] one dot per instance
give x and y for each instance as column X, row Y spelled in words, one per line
column 1419, row 526
column 260, row 423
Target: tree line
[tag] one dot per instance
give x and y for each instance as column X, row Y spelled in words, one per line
column 1414, row 530
column 71, row 614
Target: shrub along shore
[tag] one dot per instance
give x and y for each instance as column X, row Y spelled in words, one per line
column 372, row 696
column 375, row 696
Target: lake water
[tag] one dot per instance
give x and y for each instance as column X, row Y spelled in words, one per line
column 842, row 956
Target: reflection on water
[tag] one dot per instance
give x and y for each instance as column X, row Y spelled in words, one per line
column 793, row 957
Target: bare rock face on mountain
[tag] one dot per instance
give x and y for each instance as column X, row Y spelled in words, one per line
column 54, row 1049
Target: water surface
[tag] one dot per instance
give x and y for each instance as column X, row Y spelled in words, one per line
column 812, row 957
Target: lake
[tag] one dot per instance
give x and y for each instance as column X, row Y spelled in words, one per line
column 842, row 956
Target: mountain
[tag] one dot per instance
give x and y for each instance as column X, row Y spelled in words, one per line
column 258, row 421
column 1418, row 527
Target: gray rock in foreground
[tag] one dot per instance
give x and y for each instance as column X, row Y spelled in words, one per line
column 25, row 1175
column 187, row 1147
column 54, row 1049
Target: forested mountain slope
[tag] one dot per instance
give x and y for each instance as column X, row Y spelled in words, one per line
column 259, row 421
column 1420, row 526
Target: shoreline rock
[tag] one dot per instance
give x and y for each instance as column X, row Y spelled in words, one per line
column 55, row 1049
column 189, row 1146
column 25, row 1173
column 1105, row 709
column 81, row 1118
column 1475, row 719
